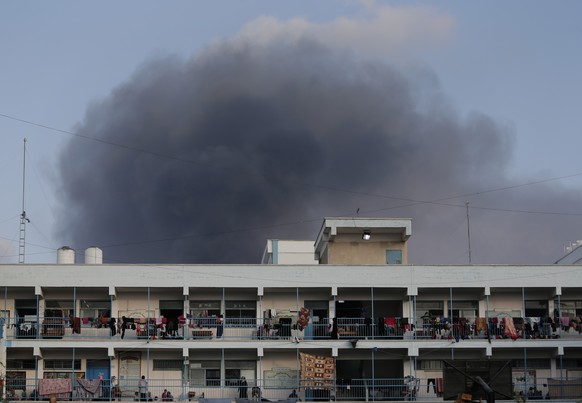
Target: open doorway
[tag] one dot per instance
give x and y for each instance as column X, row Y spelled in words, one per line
column 171, row 311
column 319, row 313
column 25, row 312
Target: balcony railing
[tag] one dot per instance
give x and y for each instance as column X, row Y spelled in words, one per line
column 31, row 327
column 388, row 389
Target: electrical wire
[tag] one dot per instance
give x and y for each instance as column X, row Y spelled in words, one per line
column 410, row 201
column 326, row 187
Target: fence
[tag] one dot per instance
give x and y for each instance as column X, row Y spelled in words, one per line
column 395, row 389
column 44, row 327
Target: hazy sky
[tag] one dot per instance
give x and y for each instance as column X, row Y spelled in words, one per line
column 270, row 108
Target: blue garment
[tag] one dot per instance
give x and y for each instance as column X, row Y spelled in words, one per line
column 308, row 332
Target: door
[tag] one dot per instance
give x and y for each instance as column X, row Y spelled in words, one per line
column 319, row 312
column 129, row 372
column 25, row 317
column 171, row 310
column 99, row 369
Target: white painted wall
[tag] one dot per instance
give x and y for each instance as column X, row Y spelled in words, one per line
column 284, row 251
column 305, row 276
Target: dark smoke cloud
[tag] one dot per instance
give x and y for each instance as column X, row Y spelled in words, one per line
column 264, row 139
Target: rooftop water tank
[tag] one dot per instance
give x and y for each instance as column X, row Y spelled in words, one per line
column 65, row 255
column 93, row 255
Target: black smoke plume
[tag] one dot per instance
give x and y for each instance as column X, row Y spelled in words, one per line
column 242, row 143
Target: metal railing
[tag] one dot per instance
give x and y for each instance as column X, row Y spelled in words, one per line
column 269, row 329
column 388, row 389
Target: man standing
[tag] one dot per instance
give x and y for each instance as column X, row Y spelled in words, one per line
column 242, row 388
column 143, row 389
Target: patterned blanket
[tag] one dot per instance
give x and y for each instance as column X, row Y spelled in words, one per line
column 60, row 387
column 316, row 371
column 88, row 388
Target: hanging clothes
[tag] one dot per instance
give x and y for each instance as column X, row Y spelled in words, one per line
column 509, row 328
column 76, row 325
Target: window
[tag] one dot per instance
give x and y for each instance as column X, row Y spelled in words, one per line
column 204, row 313
column 204, row 308
column 429, row 309
column 94, row 311
column 67, row 307
column 25, row 309
column 394, row 256
column 241, row 313
column 536, row 308
column 532, row 363
column 569, row 309
column 15, row 381
column 570, row 363
column 213, row 377
column 20, row 364
column 62, row 364
column 231, row 377
column 207, row 373
column 465, row 309
column 431, row 365
column 168, row 365
column 63, row 374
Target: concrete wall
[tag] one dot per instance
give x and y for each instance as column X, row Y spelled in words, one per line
column 350, row 249
column 296, row 252
column 279, row 251
column 214, row 277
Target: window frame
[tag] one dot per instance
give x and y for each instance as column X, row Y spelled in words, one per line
column 394, row 260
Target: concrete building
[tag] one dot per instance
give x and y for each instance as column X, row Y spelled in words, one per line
column 386, row 329
column 279, row 251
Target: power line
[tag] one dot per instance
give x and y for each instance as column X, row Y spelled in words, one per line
column 409, row 201
column 337, row 189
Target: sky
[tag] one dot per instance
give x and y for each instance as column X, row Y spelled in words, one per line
column 190, row 132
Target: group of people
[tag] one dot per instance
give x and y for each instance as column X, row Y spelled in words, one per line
column 144, row 395
column 256, row 391
column 243, row 390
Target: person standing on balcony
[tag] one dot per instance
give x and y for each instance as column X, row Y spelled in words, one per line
column 219, row 326
column 124, row 324
column 112, row 327
column 115, row 391
column 333, row 333
column 143, row 389
column 242, row 389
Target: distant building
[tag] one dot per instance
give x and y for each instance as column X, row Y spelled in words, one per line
column 280, row 251
column 573, row 254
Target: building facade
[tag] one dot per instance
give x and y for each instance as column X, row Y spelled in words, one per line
column 388, row 330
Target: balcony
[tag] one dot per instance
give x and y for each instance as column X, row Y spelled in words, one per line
column 245, row 329
column 407, row 388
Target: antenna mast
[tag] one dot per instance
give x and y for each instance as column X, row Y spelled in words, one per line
column 23, row 218
column 468, row 230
